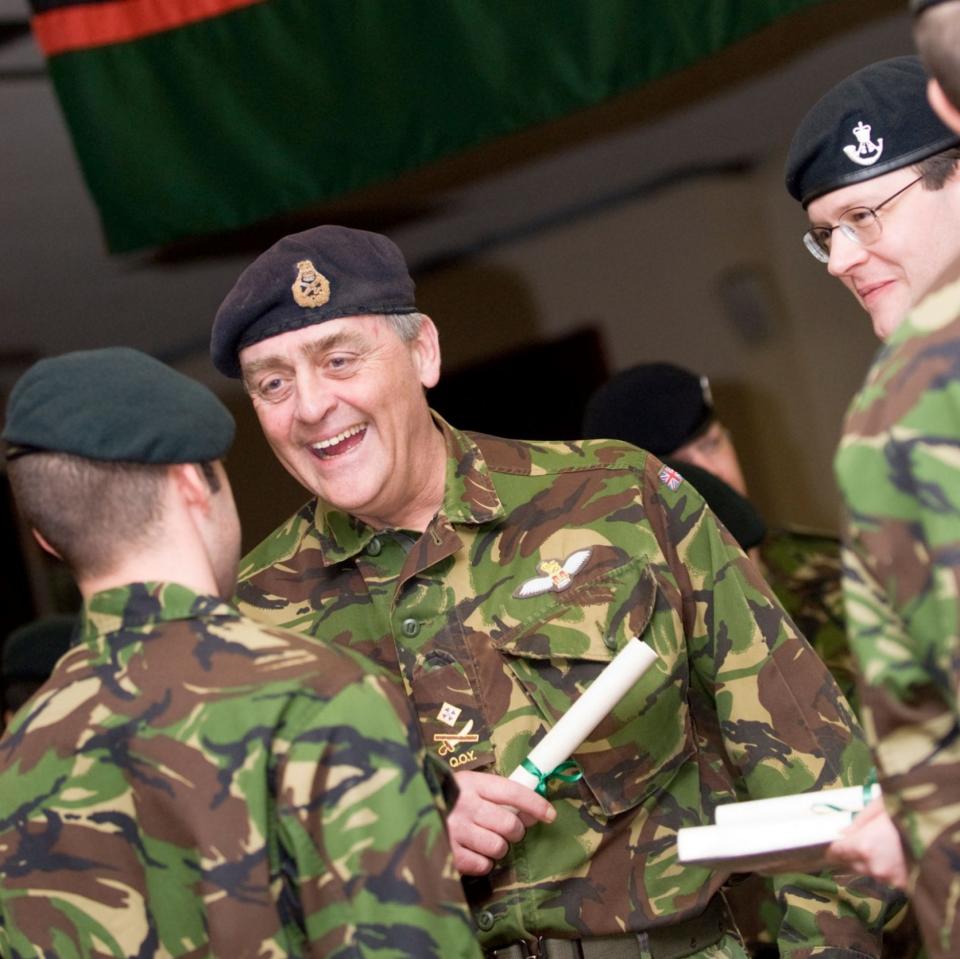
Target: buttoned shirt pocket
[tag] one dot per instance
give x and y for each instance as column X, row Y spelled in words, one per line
column 637, row 749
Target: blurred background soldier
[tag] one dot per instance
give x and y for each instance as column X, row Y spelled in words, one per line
column 187, row 782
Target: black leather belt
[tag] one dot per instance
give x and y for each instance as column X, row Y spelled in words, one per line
column 683, row 938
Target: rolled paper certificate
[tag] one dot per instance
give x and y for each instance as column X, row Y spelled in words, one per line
column 851, row 799
column 573, row 727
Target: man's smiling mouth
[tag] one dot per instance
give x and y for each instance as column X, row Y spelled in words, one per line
column 343, row 442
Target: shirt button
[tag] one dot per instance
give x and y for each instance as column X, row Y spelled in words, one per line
column 374, row 547
column 410, row 627
column 485, row 920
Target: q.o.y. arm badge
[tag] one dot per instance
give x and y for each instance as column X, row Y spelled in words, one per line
column 556, row 577
column 311, row 288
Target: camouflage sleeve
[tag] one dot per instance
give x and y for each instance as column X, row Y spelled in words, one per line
column 361, row 830
column 805, row 573
column 778, row 716
column 899, row 469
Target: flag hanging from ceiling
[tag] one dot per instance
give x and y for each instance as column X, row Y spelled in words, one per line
column 199, row 116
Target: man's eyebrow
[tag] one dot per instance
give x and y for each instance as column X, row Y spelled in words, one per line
column 334, row 341
column 321, row 344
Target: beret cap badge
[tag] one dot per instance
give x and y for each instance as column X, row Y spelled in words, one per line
column 311, row 288
column 875, row 121
column 865, row 152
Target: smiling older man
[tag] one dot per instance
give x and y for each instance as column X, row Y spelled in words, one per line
column 429, row 549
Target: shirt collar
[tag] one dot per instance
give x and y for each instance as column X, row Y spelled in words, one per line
column 140, row 605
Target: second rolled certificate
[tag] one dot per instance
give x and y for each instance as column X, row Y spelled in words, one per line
column 573, row 727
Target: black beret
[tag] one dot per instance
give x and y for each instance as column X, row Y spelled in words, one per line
column 306, row 278
column 875, row 121
column 117, row 405
column 656, row 406
column 32, row 650
column 733, row 510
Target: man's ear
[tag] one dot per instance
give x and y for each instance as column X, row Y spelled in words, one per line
column 191, row 485
column 44, row 545
column 942, row 106
column 426, row 352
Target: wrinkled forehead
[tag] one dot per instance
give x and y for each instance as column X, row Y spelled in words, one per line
column 357, row 333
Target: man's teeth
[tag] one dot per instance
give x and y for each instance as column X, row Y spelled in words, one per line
column 340, row 437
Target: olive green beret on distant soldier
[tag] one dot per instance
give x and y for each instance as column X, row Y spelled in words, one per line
column 115, row 405
column 875, row 121
column 306, row 278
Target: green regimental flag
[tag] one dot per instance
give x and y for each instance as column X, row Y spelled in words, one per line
column 198, row 116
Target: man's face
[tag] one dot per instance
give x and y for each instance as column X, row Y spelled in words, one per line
column 714, row 452
column 919, row 240
column 342, row 405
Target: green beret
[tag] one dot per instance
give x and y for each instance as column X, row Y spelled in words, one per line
column 307, row 278
column 115, row 405
column 656, row 406
column 875, row 121
column 32, row 650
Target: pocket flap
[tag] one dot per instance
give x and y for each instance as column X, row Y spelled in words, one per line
column 591, row 621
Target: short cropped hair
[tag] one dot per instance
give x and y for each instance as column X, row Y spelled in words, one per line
column 90, row 512
column 936, row 32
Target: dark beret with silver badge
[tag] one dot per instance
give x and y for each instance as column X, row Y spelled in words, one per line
column 656, row 406
column 875, row 121
column 115, row 405
column 306, row 278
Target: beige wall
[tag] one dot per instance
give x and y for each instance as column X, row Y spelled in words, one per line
column 648, row 274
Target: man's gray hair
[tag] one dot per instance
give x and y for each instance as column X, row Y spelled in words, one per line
column 405, row 325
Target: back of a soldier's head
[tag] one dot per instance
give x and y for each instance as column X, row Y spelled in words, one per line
column 89, row 439
column 936, row 31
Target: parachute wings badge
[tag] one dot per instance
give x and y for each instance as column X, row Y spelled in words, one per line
column 556, row 577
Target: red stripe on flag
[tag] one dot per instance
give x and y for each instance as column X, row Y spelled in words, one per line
column 97, row 24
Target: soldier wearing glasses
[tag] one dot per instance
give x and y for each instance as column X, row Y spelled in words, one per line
column 886, row 221
column 874, row 166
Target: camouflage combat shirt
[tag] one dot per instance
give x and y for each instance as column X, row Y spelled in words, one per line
column 545, row 559
column 899, row 469
column 804, row 569
column 191, row 784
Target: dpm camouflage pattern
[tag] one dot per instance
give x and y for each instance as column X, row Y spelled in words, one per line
column 190, row 784
column 805, row 572
column 899, row 469
column 544, row 560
